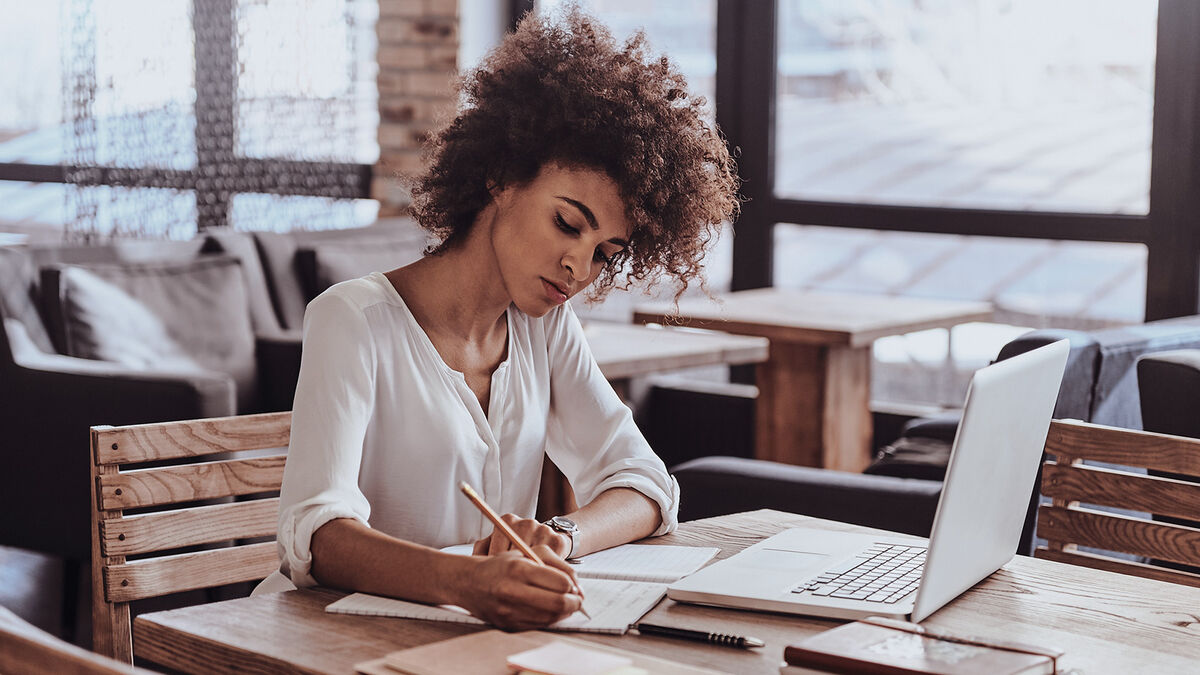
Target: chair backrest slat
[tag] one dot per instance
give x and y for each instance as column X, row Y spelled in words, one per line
column 191, row 438
column 1127, row 447
column 192, row 466
column 1115, row 532
column 1069, row 522
column 151, row 532
column 1120, row 566
column 189, row 482
column 189, row 571
column 1108, row 487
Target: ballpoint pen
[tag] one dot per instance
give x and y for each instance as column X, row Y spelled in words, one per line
column 508, row 532
column 699, row 636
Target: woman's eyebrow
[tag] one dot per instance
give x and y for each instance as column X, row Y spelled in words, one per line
column 590, row 217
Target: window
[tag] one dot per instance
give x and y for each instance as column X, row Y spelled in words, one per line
column 124, row 110
column 1015, row 105
column 859, row 122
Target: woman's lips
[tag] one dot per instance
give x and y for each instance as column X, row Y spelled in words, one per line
column 554, row 292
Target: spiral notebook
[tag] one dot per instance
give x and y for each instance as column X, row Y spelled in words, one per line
column 613, row 605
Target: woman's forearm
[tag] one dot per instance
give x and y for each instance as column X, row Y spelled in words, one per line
column 615, row 517
column 349, row 555
column 507, row 590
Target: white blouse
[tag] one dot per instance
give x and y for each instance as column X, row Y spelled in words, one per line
column 383, row 430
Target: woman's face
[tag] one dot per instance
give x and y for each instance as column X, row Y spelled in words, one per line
column 554, row 235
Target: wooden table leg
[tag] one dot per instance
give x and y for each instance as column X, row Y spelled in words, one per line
column 814, row 406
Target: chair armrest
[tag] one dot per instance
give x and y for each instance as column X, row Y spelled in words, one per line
column 278, row 356
column 47, row 408
column 711, row 486
column 67, row 384
column 940, row 426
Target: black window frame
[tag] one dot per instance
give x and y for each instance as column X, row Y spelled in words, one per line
column 215, row 62
column 746, row 70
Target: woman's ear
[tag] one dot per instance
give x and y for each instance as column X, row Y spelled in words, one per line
column 499, row 194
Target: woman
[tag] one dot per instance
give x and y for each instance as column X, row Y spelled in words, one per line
column 571, row 162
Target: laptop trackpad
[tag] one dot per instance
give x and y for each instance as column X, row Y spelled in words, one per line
column 781, row 559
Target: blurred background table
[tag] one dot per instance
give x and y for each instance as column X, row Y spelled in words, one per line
column 813, row 403
column 624, row 351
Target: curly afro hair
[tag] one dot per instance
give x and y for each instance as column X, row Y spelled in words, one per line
column 563, row 91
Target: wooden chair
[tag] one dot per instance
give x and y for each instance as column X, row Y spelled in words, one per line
column 1067, row 523
column 168, row 519
column 26, row 649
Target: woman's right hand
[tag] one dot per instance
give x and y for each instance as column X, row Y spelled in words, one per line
column 512, row 592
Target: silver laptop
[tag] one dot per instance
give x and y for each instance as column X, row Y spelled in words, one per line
column 992, row 468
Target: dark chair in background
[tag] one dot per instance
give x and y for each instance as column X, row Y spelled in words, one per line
column 47, row 402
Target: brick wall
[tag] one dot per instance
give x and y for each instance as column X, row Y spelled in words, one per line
column 418, row 60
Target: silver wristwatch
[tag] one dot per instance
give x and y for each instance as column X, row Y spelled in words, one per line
column 568, row 527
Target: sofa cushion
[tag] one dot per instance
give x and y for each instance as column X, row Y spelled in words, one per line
column 290, row 291
column 241, row 245
column 171, row 316
column 278, row 254
column 323, row 266
column 17, row 280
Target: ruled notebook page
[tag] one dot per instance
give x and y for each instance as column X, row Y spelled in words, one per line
column 642, row 562
column 613, row 605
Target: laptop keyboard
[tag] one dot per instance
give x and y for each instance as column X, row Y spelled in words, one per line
column 883, row 573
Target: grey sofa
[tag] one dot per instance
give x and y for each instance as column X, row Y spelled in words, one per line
column 171, row 330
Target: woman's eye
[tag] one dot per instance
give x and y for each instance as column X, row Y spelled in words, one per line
column 601, row 258
column 563, row 225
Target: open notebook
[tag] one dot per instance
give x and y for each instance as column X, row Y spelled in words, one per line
column 634, row 562
column 619, row 584
column 613, row 606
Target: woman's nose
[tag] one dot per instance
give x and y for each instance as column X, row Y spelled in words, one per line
column 575, row 264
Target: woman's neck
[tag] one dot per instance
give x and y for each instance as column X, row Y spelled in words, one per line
column 455, row 292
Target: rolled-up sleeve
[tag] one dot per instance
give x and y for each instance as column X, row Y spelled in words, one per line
column 592, row 437
column 333, row 405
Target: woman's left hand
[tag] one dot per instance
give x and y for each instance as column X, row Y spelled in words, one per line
column 531, row 531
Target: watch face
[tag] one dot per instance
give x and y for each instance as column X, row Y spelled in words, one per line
column 563, row 524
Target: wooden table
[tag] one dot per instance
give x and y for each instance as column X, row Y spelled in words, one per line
column 624, row 350
column 814, row 390
column 1106, row 622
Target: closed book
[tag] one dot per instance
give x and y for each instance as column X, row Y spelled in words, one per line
column 888, row 647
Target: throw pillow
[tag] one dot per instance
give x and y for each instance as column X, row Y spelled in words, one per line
column 17, row 274
column 329, row 264
column 166, row 316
